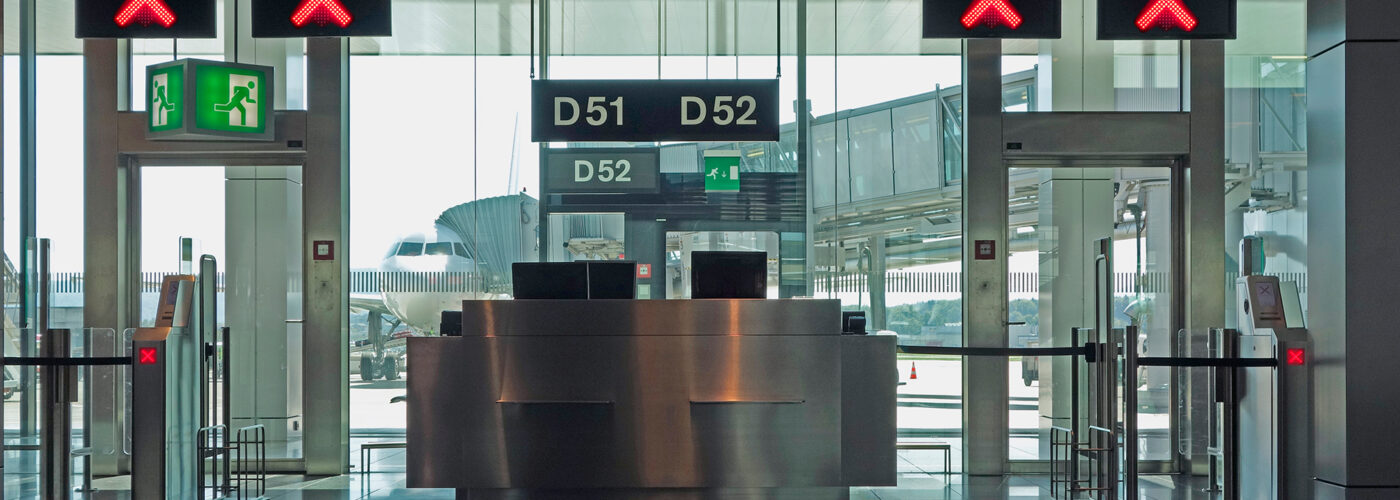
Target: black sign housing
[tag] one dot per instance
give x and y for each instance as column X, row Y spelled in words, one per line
column 602, row 170
column 1215, row 20
column 1038, row 19
column 654, row 110
column 100, row 19
column 273, row 19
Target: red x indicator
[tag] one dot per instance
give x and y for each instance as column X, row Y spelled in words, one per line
column 145, row 12
column 1167, row 14
column 321, row 12
column 146, row 356
column 1295, row 357
column 991, row 13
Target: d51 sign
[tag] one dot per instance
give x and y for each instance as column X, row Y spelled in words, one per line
column 654, row 110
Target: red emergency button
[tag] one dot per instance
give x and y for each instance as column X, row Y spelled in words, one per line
column 146, row 356
column 1295, row 357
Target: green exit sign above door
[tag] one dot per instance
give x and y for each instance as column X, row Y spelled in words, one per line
column 198, row 100
column 721, row 171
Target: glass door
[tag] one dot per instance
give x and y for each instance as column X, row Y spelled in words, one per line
column 249, row 219
column 1055, row 216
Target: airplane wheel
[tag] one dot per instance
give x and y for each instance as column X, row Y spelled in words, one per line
column 367, row 368
column 391, row 368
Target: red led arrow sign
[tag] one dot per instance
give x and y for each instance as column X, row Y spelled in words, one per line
column 1166, row 14
column 145, row 12
column 991, row 13
column 321, row 12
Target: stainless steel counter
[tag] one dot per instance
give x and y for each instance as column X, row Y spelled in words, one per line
column 651, row 399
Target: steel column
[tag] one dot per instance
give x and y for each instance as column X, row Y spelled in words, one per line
column 56, row 442
column 984, row 304
column 1351, row 153
column 104, row 259
column 326, row 217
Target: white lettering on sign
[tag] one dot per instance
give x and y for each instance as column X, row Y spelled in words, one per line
column 581, row 166
column 727, row 110
column 558, row 111
column 596, row 113
column 607, row 171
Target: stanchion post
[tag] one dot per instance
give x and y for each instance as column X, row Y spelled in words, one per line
column 56, row 438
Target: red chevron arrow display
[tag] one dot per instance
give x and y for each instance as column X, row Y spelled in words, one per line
column 1167, row 14
column 321, row 12
column 991, row 13
column 145, row 12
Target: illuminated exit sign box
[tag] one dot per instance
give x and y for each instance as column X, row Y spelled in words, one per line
column 145, row 18
column 992, row 19
column 1167, row 19
column 317, row 18
column 198, row 100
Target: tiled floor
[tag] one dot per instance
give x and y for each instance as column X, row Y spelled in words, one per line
column 387, row 481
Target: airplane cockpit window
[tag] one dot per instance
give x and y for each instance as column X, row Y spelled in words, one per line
column 461, row 250
column 392, row 248
column 410, row 249
column 440, row 248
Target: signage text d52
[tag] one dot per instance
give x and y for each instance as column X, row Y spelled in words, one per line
column 192, row 99
column 654, row 110
column 602, row 170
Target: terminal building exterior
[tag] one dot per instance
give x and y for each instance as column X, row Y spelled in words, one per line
column 699, row 249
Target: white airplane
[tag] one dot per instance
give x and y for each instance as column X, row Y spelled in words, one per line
column 425, row 273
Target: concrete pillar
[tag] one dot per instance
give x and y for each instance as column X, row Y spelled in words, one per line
column 1076, row 208
column 984, row 281
column 326, row 327
column 263, row 207
column 1076, row 71
column 1351, row 255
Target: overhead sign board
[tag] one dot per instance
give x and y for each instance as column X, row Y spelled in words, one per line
column 654, row 110
column 315, row 18
column 193, row 99
column 992, row 19
column 145, row 19
column 602, row 170
column 1167, row 19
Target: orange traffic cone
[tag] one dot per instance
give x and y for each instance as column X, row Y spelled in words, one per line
column 913, row 372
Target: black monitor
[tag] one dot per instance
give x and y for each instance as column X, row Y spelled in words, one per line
column 451, row 324
column 612, row 279
column 550, row 280
column 728, row 275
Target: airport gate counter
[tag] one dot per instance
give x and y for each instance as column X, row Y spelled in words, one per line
column 617, row 398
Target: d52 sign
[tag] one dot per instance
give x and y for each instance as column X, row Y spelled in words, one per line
column 602, row 170
column 654, row 110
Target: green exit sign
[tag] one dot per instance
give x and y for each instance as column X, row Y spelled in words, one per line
column 194, row 99
column 721, row 171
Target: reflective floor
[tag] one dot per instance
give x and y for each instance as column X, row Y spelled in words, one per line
column 387, row 481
